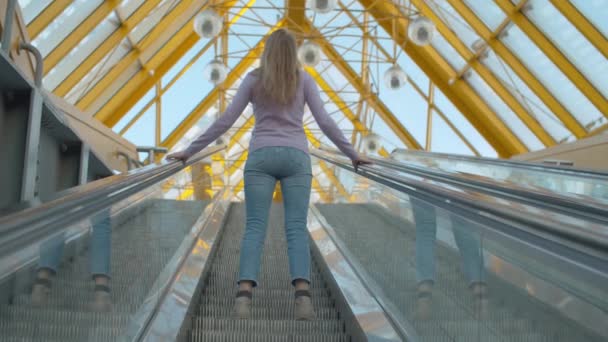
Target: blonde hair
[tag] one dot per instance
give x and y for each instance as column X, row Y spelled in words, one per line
column 279, row 70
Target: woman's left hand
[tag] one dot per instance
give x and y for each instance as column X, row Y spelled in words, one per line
column 182, row 155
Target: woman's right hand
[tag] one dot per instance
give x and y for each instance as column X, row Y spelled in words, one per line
column 182, row 156
column 361, row 160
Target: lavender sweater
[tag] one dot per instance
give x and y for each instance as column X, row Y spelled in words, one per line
column 275, row 124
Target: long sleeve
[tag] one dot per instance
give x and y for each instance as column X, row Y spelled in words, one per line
column 221, row 125
column 325, row 122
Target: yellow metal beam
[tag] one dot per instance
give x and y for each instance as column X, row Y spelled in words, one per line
column 440, row 73
column 162, row 61
column 52, row 11
column 499, row 88
column 78, row 34
column 135, row 54
column 296, row 14
column 104, row 48
column 579, row 21
column 555, row 55
column 518, row 67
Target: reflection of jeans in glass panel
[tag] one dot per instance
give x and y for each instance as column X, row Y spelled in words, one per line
column 264, row 167
column 467, row 241
column 51, row 251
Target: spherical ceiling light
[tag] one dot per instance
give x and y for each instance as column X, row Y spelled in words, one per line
column 322, row 6
column 208, row 24
column 395, row 77
column 215, row 72
column 421, row 31
column 478, row 45
column 309, row 54
column 371, row 143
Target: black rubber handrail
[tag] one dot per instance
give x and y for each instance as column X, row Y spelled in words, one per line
column 584, row 208
column 22, row 228
column 562, row 170
column 591, row 241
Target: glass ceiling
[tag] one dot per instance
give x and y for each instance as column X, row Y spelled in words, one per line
column 526, row 61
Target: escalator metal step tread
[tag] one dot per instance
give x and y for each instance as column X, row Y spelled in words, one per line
column 263, row 337
column 273, row 301
column 141, row 246
column 388, row 253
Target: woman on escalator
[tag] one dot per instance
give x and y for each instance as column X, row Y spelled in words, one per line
column 278, row 151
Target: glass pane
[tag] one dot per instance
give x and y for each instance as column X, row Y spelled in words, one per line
column 65, row 23
column 504, row 112
column 526, row 96
column 81, row 52
column 550, row 75
column 127, row 7
column 99, row 71
column 452, row 18
column 463, row 125
column 488, row 12
column 131, row 246
column 596, row 11
column 151, row 20
column 448, row 53
column 452, row 278
column 571, row 42
column 32, row 8
column 565, row 183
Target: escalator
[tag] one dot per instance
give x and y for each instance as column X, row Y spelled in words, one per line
column 143, row 241
column 273, row 304
column 174, row 265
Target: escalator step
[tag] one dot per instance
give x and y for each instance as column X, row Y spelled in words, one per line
column 204, row 336
column 273, row 300
column 266, row 311
column 266, row 326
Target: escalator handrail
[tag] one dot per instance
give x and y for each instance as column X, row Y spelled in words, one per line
column 538, row 224
column 562, row 170
column 585, row 208
column 22, row 228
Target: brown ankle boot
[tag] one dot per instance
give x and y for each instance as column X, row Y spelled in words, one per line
column 304, row 308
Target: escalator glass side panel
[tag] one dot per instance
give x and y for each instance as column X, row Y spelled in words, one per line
column 87, row 282
column 565, row 184
column 454, row 279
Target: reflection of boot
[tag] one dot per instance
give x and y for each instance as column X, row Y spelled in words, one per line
column 479, row 290
column 424, row 300
column 304, row 308
column 41, row 291
column 242, row 305
column 102, row 301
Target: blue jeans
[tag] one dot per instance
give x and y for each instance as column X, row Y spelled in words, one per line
column 264, row 167
column 468, row 243
column 51, row 251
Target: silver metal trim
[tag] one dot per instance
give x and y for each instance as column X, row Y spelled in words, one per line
column 30, row 161
column 369, row 312
column 19, row 229
column 169, row 307
column 8, row 26
column 83, row 171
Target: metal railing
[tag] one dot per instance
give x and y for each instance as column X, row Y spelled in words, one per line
column 20, row 229
column 556, row 169
column 537, row 226
column 584, row 208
